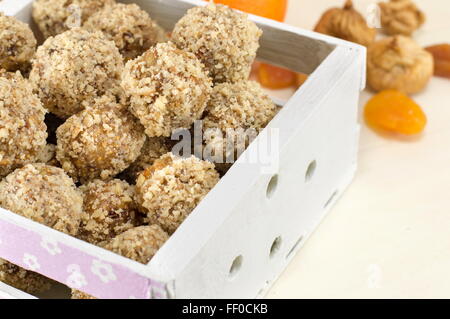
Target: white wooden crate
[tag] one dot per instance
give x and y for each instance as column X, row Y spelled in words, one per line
column 244, row 233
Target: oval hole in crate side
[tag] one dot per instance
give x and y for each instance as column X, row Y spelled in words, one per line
column 276, row 245
column 272, row 186
column 310, row 171
column 236, row 266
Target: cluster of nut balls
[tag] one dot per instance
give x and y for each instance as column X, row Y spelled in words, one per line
column 86, row 119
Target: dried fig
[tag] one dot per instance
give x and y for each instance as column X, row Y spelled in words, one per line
column 347, row 24
column 398, row 63
column 400, row 17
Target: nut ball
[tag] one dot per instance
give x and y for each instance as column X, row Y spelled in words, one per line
column 239, row 105
column 99, row 142
column 223, row 39
column 401, row 17
column 17, row 44
column 170, row 189
column 44, row 194
column 398, row 63
column 235, row 111
column 74, row 68
column 347, row 24
column 130, row 27
column 154, row 148
column 167, row 89
column 23, row 132
column 23, row 279
column 139, row 244
column 108, row 210
column 56, row 16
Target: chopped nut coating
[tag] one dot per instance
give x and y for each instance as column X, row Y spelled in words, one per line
column 167, row 88
column 56, row 16
column 23, row 132
column 74, row 68
column 140, row 243
column 154, row 148
column 222, row 38
column 170, row 189
column 23, row 279
column 130, row 27
column 236, row 111
column 99, row 142
column 108, row 210
column 44, row 194
column 17, row 44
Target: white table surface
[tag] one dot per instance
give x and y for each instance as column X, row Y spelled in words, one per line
column 389, row 235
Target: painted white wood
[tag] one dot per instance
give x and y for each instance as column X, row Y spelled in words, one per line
column 317, row 123
column 8, row 292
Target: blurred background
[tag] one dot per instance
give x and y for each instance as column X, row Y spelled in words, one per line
column 388, row 237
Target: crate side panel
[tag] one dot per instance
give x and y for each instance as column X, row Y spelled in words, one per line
column 241, row 178
column 330, row 138
column 291, row 50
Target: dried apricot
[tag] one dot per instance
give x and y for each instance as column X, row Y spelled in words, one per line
column 441, row 54
column 272, row 9
column 274, row 77
column 300, row 79
column 255, row 70
column 393, row 111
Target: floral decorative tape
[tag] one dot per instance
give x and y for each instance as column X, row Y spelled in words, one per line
column 73, row 267
column 8, row 292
